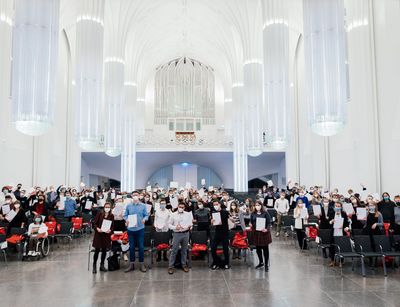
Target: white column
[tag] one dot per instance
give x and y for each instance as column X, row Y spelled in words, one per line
column 240, row 167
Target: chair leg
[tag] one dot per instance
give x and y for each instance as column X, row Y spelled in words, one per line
column 362, row 266
column 384, row 265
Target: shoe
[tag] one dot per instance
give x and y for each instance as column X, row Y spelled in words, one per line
column 185, row 269
column 94, row 269
column 102, row 268
column 170, row 271
column 158, row 259
column 277, row 234
column 227, row 267
column 214, row 267
column 266, row 268
column 259, row 266
column 130, row 268
column 35, row 254
column 126, row 258
column 143, row 268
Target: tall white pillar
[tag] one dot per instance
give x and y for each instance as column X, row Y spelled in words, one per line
column 240, row 167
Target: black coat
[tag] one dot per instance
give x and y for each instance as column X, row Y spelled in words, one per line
column 325, row 219
column 101, row 239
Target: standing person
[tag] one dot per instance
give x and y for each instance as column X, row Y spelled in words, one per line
column 339, row 232
column 221, row 237
column 87, row 200
column 102, row 240
column 300, row 218
column 386, row 208
column 282, row 208
column 374, row 224
column 136, row 232
column 161, row 224
column 262, row 238
column 180, row 223
column 202, row 217
column 69, row 206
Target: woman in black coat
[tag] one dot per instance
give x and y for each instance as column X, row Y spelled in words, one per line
column 102, row 240
column 262, row 238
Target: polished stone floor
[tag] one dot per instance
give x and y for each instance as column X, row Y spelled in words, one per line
column 295, row 279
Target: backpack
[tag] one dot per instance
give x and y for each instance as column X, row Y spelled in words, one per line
column 113, row 263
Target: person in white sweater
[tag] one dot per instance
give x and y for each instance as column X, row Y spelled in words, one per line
column 161, row 224
column 282, row 208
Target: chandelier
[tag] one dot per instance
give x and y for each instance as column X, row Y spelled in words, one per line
column 185, row 138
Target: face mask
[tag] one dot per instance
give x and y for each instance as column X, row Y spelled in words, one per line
column 337, row 209
column 201, row 206
column 162, row 206
column 180, row 210
column 282, row 196
column 258, row 208
column 67, row 196
column 371, row 209
column 16, row 206
column 301, row 194
column 216, row 208
column 38, row 220
column 386, row 198
column 107, row 210
column 247, row 202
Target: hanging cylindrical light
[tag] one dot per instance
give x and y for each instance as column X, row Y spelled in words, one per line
column 253, row 90
column 114, row 98
column 276, row 73
column 89, row 72
column 325, row 66
column 35, row 52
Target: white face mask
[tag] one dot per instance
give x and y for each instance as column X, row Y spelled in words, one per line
column 216, row 208
column 180, row 210
column 201, row 206
column 107, row 210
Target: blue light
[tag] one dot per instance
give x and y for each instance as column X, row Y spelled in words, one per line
column 185, row 164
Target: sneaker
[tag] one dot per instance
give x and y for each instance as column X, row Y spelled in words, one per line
column 277, row 234
column 185, row 269
column 214, row 267
column 143, row 268
column 227, row 267
column 130, row 268
column 259, row 266
column 30, row 253
column 126, row 258
column 170, row 271
column 266, row 268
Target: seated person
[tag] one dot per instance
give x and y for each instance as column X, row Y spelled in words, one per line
column 36, row 230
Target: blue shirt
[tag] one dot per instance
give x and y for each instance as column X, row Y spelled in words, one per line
column 141, row 212
column 69, row 207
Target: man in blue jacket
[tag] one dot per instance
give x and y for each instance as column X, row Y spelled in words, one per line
column 135, row 217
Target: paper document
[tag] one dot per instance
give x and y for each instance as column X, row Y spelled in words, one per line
column 106, row 225
column 112, row 195
column 217, row 218
column 361, row 214
column 348, row 208
column 10, row 215
column 5, row 209
column 148, row 208
column 260, row 223
column 316, row 210
column 201, row 192
column 62, row 203
column 270, row 202
column 303, row 213
column 88, row 205
column 338, row 223
column 157, row 206
column 148, row 189
column 132, row 220
column 101, row 202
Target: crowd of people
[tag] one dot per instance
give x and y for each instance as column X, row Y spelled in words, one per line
column 211, row 210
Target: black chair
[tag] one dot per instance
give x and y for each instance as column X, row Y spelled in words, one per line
column 325, row 239
column 396, row 242
column 251, row 245
column 382, row 244
column 157, row 239
column 356, row 232
column 287, row 223
column 66, row 231
column 87, row 222
column 3, row 248
column 363, row 246
column 199, row 237
column 343, row 249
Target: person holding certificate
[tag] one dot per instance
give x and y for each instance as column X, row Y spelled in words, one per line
column 87, row 202
column 135, row 217
column 340, row 223
column 300, row 215
column 16, row 217
column 261, row 227
column 219, row 220
column 103, row 227
column 374, row 223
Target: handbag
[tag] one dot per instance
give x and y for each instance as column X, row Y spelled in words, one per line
column 113, row 263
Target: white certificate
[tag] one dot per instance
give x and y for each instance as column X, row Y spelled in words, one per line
column 106, row 225
column 303, row 213
column 348, row 208
column 338, row 222
column 260, row 223
column 361, row 214
column 132, row 220
column 62, row 203
column 157, row 207
column 316, row 210
column 217, row 218
column 148, row 208
column 201, row 192
column 203, row 181
column 148, row 189
column 88, row 205
column 101, row 202
column 5, row 209
column 174, row 202
column 112, row 195
column 11, row 215
column 270, row 202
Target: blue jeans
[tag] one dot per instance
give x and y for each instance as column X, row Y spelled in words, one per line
column 136, row 238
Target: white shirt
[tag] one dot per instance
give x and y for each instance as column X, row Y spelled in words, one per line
column 161, row 220
column 185, row 219
column 281, row 205
column 42, row 228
